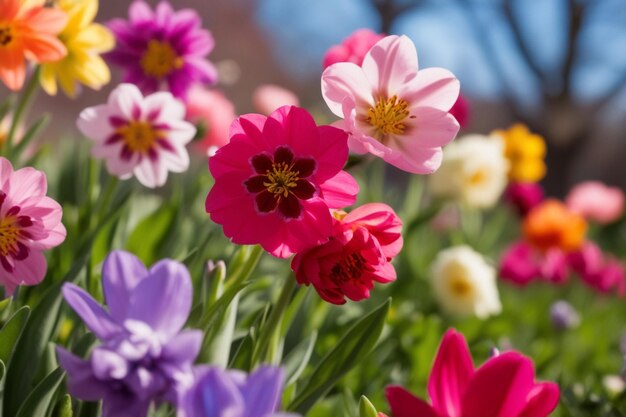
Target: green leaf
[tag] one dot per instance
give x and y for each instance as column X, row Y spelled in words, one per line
column 357, row 343
column 151, row 232
column 30, row 134
column 11, row 332
column 366, row 408
column 30, row 349
column 297, row 360
column 66, row 407
column 2, row 380
column 38, row 401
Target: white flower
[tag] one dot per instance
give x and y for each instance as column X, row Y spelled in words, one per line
column 464, row 283
column 140, row 136
column 473, row 172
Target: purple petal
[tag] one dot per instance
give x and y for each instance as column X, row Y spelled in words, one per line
column 184, row 347
column 121, row 273
column 107, row 365
column 82, row 383
column 123, row 404
column 163, row 299
column 92, row 313
column 263, row 391
column 215, row 394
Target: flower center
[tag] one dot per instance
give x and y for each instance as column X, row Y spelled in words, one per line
column 280, row 182
column 139, row 136
column 349, row 267
column 281, row 179
column 160, row 59
column 6, row 35
column 9, row 235
column 388, row 115
column 12, row 235
column 477, row 177
column 460, row 287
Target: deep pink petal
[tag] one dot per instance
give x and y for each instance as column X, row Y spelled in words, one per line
column 382, row 222
column 330, row 153
column 542, row 400
column 500, row 387
column 339, row 191
column 404, row 404
column 450, row 375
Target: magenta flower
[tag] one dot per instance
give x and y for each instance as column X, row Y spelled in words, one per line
column 212, row 113
column 234, row 393
column 141, row 136
column 356, row 256
column 162, row 48
column 524, row 196
column 599, row 271
column 277, row 179
column 596, row 201
column 392, row 110
column 521, row 264
column 143, row 357
column 504, row 386
column 30, row 222
column 461, row 111
column 353, row 48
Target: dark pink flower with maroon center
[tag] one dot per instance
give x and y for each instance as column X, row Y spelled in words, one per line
column 356, row 256
column 277, row 179
column 30, row 222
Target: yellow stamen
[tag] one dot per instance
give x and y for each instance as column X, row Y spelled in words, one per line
column 160, row 59
column 281, row 179
column 139, row 135
column 387, row 115
column 9, row 235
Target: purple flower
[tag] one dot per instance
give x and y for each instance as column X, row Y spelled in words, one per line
column 231, row 393
column 162, row 48
column 144, row 356
column 563, row 316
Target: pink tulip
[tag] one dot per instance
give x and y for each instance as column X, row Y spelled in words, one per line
column 212, row 113
column 267, row 98
column 596, row 202
column 353, row 48
column 504, row 386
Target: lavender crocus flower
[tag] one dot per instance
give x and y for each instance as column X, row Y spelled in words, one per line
column 162, row 48
column 143, row 356
column 232, row 393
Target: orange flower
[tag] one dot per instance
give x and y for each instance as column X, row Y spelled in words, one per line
column 552, row 225
column 27, row 31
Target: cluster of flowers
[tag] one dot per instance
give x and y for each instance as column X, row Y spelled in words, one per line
column 279, row 183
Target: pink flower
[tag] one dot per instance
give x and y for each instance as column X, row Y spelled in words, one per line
column 212, row 113
column 276, row 180
column 521, row 264
column 596, row 202
column 390, row 109
column 603, row 273
column 504, row 386
column 268, row 97
column 30, row 222
column 353, row 48
column 523, row 196
column 356, row 256
column 461, row 111
column 139, row 136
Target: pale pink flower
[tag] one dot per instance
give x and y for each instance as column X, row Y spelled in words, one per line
column 392, row 110
column 212, row 113
column 30, row 222
column 137, row 135
column 596, row 201
column 353, row 48
column 268, row 97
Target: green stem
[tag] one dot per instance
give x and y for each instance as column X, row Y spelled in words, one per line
column 20, row 111
column 107, row 195
column 273, row 323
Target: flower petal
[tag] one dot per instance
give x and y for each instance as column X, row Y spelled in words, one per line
column 92, row 313
column 345, row 80
column 121, row 273
column 405, row 404
column 542, row 400
column 263, row 390
column 391, row 64
column 450, row 375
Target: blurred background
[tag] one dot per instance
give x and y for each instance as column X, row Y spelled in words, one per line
column 557, row 65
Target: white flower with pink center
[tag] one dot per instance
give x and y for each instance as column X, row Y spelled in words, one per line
column 140, row 136
column 30, row 222
column 392, row 110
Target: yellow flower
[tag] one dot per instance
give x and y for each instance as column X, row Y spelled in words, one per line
column 85, row 41
column 525, row 152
